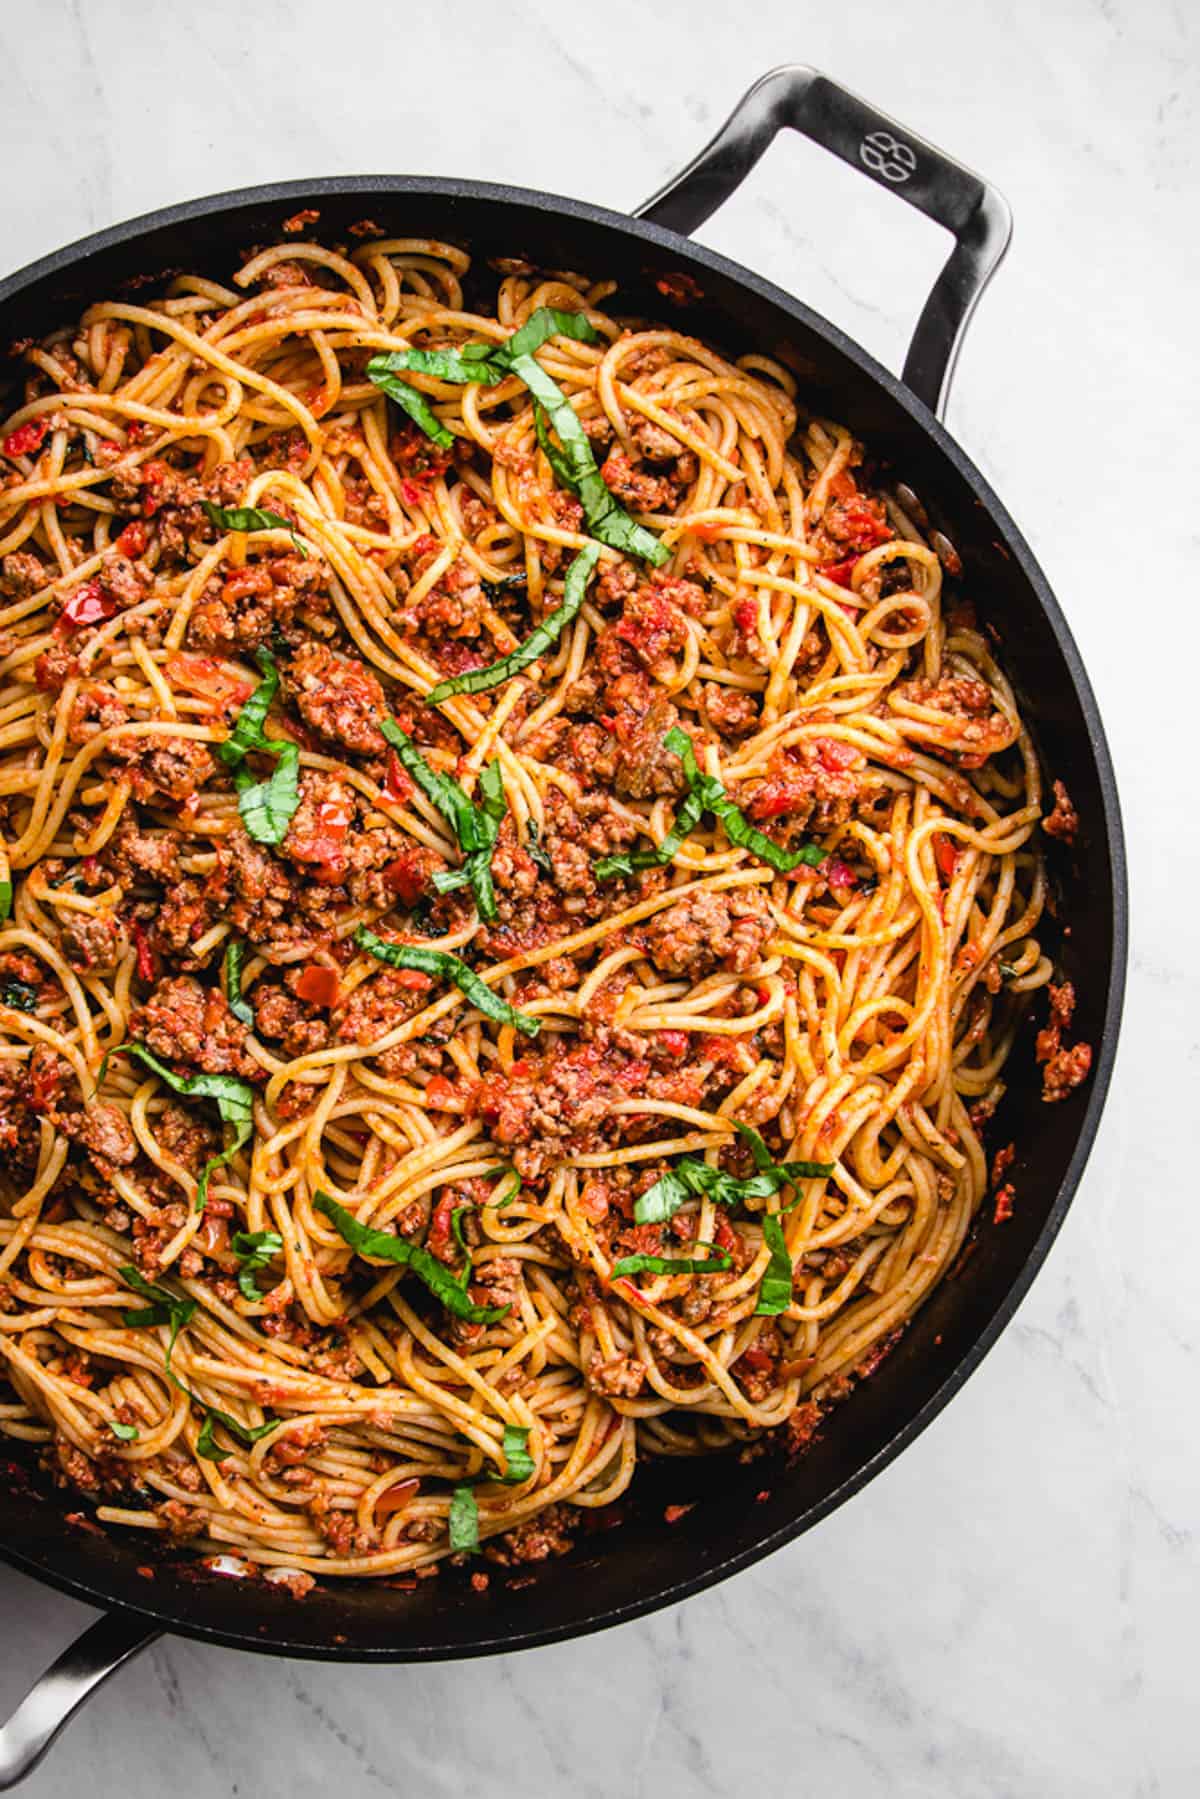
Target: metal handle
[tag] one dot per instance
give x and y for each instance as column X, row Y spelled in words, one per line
column 876, row 145
column 79, row 1670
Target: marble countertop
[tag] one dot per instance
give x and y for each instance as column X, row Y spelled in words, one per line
column 1009, row 1609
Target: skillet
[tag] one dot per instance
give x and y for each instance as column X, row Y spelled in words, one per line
column 646, row 1563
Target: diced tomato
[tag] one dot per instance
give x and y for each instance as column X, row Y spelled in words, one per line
column 838, row 873
column 319, row 986
column 395, row 1498
column 725, row 1237
column 439, row 1238
column 758, row 1359
column 633, row 1075
column 396, row 783
column 834, row 755
column 154, row 473
column 863, row 525
column 745, row 616
column 772, row 800
column 840, row 572
column 418, row 459
column 945, row 855
column 88, row 605
column 205, row 675
column 133, row 539
column 413, row 979
column 708, row 531
column 439, row 1092
column 425, row 543
column 326, row 833
column 405, row 877
column 674, row 1042
column 27, row 439
column 145, row 955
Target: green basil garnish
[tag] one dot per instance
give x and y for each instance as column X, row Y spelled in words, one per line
column 234, row 1097
column 546, row 635
column 661, row 1201
column 464, row 1522
column 246, row 1434
column 19, row 995
column 706, row 794
column 267, row 807
column 444, row 966
column 251, row 518
column 409, row 399
column 126, row 1433
column 533, row 847
column 235, row 952
column 642, row 1264
column 366, row 1241
column 518, row 1463
column 572, row 461
column 254, row 1249
column 775, row 1292
column 476, row 827
column 6, row 899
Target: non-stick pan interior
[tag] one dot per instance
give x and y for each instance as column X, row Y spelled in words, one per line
column 741, row 1509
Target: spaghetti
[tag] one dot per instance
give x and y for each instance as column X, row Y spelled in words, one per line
column 414, row 1114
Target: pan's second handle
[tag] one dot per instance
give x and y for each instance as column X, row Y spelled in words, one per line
column 878, row 146
column 79, row 1670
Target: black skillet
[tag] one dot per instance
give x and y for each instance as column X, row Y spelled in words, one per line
column 646, row 1563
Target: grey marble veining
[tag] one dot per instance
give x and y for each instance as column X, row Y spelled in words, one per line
column 1010, row 1609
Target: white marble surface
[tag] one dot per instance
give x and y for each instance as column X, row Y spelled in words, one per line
column 1010, row 1609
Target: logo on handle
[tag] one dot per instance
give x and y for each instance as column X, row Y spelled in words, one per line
column 885, row 155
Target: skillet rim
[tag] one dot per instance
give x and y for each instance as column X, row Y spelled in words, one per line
column 538, row 200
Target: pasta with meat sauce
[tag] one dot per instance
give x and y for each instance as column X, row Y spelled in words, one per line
column 518, row 890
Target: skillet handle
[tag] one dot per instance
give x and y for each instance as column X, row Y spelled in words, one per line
column 106, row 1646
column 803, row 99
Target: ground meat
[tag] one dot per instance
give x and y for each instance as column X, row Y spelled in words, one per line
column 645, row 767
column 135, row 855
column 336, row 844
column 621, row 1378
column 186, row 1137
column 534, row 1541
column 706, row 931
column 974, row 726
column 1063, row 821
column 22, row 573
column 128, row 582
column 96, row 707
column 614, row 582
column 164, row 769
column 55, row 667
column 92, row 942
column 380, row 1004
column 815, row 784
column 1065, row 1069
column 454, row 608
column 107, row 1136
column 281, row 1017
column 545, row 1100
column 644, row 493
column 339, row 697
column 654, row 627
column 245, row 609
column 656, row 445
column 729, row 711
column 190, row 1024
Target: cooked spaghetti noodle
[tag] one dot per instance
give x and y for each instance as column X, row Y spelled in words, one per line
column 207, row 502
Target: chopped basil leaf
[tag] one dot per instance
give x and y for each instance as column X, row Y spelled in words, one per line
column 543, row 638
column 485, row 363
column 457, row 1229
column 533, row 847
column 246, row 1434
column 19, row 995
column 464, row 1522
column 380, row 371
column 775, row 1293
column 234, row 1097
column 518, row 1463
column 267, row 807
column 641, row 1264
column 476, row 827
column 251, row 518
column 364, row 1240
column 506, row 1174
column 446, row 967
column 576, row 468
column 6, row 899
column 254, row 1249
column 235, row 951
column 661, row 1201
column 706, row 794
column 127, row 1433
